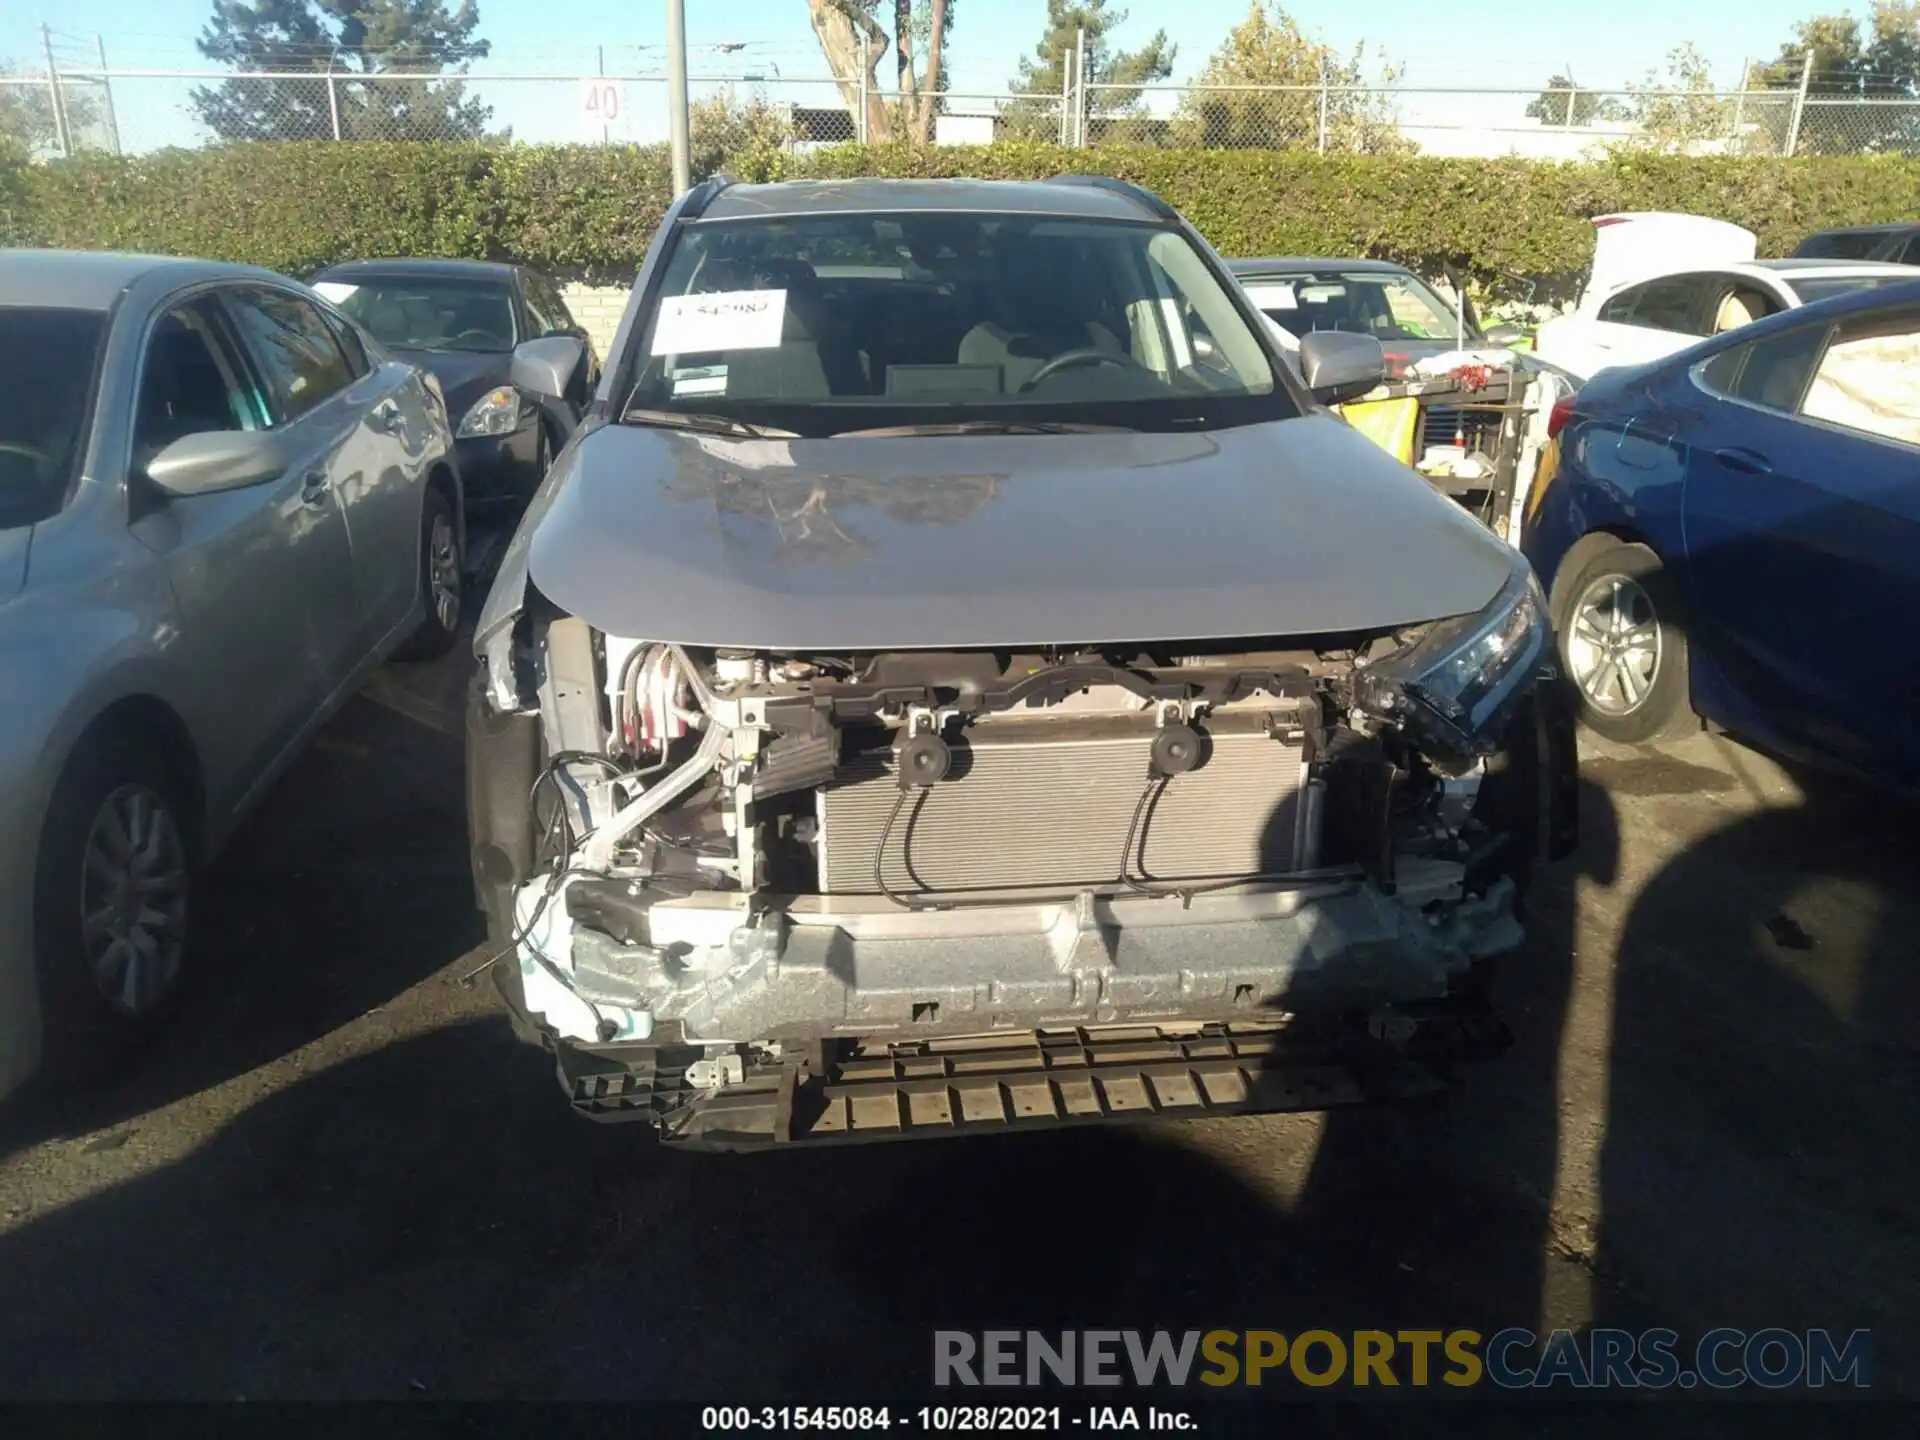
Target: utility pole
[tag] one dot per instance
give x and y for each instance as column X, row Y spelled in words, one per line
column 1080, row 89
column 1799, row 103
column 106, row 85
column 600, row 55
column 60, row 135
column 333, row 94
column 1066, row 97
column 677, row 125
column 1740, row 102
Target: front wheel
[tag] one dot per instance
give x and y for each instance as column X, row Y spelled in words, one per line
column 1623, row 639
column 110, row 903
column 441, row 581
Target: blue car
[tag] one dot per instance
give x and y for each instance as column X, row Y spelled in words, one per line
column 1733, row 534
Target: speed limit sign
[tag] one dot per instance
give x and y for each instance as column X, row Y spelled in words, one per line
column 603, row 105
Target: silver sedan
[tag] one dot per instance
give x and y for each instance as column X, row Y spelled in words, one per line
column 221, row 506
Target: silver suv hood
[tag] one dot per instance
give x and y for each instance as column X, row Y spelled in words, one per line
column 1293, row 528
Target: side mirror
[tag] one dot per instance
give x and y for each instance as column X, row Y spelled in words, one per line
column 1338, row 365
column 216, row 460
column 543, row 367
column 1504, row 335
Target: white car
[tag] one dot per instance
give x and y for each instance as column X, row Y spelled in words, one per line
column 1662, row 282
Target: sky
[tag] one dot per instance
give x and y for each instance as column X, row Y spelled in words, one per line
column 1605, row 45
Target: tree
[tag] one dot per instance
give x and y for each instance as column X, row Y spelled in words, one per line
column 26, row 112
column 1589, row 106
column 1878, row 62
column 853, row 38
column 723, row 125
column 1269, row 48
column 351, row 39
column 1678, row 110
column 1120, row 73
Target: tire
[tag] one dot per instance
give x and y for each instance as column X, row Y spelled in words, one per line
column 442, row 581
column 1621, row 596
column 118, row 843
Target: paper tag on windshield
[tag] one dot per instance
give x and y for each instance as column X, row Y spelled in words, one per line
column 708, row 380
column 334, row 290
column 724, row 320
column 1272, row 297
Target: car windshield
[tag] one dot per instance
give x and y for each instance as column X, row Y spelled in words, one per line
column 1839, row 245
column 1388, row 305
column 47, row 361
column 408, row 313
column 825, row 324
column 1828, row 286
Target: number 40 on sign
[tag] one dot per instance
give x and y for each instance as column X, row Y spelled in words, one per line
column 603, row 104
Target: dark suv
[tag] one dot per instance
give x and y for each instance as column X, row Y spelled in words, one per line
column 1898, row 242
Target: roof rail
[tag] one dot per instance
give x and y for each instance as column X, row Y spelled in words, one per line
column 1120, row 187
column 704, row 194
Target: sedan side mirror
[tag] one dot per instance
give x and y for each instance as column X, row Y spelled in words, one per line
column 543, row 367
column 1338, row 365
column 1504, row 335
column 216, row 460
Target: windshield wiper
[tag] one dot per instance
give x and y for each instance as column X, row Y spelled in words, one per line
column 991, row 427
column 704, row 424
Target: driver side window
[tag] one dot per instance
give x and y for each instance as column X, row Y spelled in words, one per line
column 192, row 381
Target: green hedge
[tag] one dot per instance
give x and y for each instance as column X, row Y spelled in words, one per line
column 588, row 210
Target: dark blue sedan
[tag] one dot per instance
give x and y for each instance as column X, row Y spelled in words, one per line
column 1734, row 534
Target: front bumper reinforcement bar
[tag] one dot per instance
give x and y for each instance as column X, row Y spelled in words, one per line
column 894, row 1090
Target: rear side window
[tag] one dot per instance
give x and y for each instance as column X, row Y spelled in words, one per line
column 1869, row 379
column 293, row 346
column 1771, row 373
column 1671, row 303
column 1911, row 254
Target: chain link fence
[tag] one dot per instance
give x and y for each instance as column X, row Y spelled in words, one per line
column 74, row 111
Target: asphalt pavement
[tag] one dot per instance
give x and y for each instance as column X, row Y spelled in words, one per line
column 336, row 1174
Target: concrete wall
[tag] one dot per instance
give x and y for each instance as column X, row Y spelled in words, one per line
column 598, row 307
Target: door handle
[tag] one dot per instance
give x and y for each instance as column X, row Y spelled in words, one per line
column 314, row 486
column 1736, row 457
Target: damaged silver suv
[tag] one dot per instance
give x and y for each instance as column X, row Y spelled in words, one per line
column 960, row 678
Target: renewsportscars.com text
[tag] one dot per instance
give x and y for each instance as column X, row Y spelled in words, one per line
column 1513, row 1359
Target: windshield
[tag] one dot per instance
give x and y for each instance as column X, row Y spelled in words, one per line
column 47, row 360
column 830, row 323
column 1388, row 305
column 1839, row 245
column 414, row 314
column 1828, row 286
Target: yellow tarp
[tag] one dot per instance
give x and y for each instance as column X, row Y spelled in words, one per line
column 1390, row 424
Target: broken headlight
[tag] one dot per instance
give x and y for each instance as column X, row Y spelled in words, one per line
column 1455, row 683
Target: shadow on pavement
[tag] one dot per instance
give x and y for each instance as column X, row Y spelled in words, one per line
column 429, row 1220
column 1764, row 1086
column 348, row 886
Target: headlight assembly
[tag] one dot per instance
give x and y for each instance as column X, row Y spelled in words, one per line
column 1455, row 683
column 495, row 413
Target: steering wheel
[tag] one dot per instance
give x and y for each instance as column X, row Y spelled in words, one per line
column 1072, row 359
column 484, row 337
column 32, row 453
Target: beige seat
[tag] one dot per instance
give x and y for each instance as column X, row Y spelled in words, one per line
column 1738, row 308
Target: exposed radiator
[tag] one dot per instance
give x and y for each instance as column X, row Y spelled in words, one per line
column 1046, row 803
